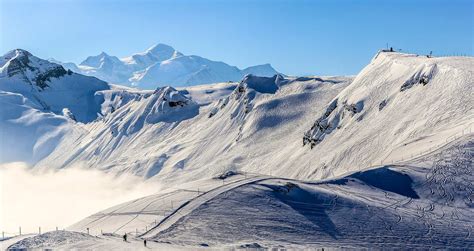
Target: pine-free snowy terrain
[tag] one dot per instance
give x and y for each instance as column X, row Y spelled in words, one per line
column 262, row 125
column 422, row 203
column 163, row 65
column 38, row 100
column 380, row 160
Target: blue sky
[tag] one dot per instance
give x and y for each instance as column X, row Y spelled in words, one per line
column 296, row 36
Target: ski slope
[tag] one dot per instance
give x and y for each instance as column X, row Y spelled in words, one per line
column 425, row 202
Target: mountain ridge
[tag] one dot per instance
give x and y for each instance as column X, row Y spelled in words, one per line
column 145, row 69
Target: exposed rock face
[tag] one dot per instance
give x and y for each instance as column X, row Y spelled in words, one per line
column 56, row 72
column 422, row 76
column 321, row 126
column 20, row 63
column 331, row 120
column 31, row 69
column 50, row 87
column 248, row 88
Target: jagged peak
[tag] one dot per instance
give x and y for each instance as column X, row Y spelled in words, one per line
column 17, row 52
column 21, row 54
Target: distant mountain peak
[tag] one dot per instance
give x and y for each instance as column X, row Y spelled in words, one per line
column 22, row 52
column 161, row 64
column 157, row 48
column 33, row 70
column 162, row 52
column 95, row 61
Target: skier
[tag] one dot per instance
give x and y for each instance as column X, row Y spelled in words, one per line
column 391, row 49
column 144, row 242
column 125, row 237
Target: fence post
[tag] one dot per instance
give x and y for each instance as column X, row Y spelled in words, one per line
column 56, row 228
column 39, row 230
column 20, row 231
column 3, row 235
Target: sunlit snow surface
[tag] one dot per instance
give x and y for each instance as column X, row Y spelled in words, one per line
column 380, row 160
column 423, row 203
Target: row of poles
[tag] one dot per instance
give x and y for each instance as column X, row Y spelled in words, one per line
column 432, row 53
column 20, row 233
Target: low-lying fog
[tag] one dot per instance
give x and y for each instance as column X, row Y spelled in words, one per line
column 59, row 199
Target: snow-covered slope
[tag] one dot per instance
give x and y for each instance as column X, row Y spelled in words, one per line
column 163, row 65
column 405, row 205
column 399, row 105
column 262, row 116
column 262, row 125
column 206, row 94
column 422, row 203
column 27, row 133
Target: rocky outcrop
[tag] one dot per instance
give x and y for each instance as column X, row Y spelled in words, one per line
column 422, row 76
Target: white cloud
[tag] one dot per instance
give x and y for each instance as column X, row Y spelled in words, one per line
column 49, row 199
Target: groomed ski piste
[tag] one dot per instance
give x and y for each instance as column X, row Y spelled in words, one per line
column 386, row 162
column 421, row 203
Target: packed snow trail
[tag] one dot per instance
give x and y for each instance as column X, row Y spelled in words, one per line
column 67, row 240
column 197, row 201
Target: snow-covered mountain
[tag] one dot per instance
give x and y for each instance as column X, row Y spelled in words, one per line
column 39, row 99
column 163, row 65
column 423, row 100
column 259, row 116
column 262, row 125
column 49, row 86
column 380, row 160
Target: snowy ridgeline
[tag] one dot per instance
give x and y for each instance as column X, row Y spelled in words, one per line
column 393, row 144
